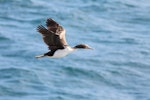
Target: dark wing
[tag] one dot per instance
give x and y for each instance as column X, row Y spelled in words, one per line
column 50, row 23
column 50, row 38
column 57, row 29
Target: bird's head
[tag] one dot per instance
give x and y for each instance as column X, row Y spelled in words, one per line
column 82, row 46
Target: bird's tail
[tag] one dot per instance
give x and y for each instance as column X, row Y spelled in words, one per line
column 40, row 56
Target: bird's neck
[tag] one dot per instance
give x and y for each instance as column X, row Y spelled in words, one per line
column 70, row 48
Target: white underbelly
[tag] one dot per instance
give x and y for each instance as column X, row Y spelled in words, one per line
column 63, row 52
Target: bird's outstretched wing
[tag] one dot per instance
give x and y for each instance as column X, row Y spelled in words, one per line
column 57, row 29
column 54, row 36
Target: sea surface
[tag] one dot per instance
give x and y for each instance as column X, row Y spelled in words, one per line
column 117, row 69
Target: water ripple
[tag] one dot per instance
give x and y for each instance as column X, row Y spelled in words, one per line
column 119, row 64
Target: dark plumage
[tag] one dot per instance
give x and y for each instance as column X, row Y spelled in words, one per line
column 54, row 37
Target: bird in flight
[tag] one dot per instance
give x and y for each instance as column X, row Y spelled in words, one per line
column 54, row 37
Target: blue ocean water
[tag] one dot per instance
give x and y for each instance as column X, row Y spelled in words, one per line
column 117, row 69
